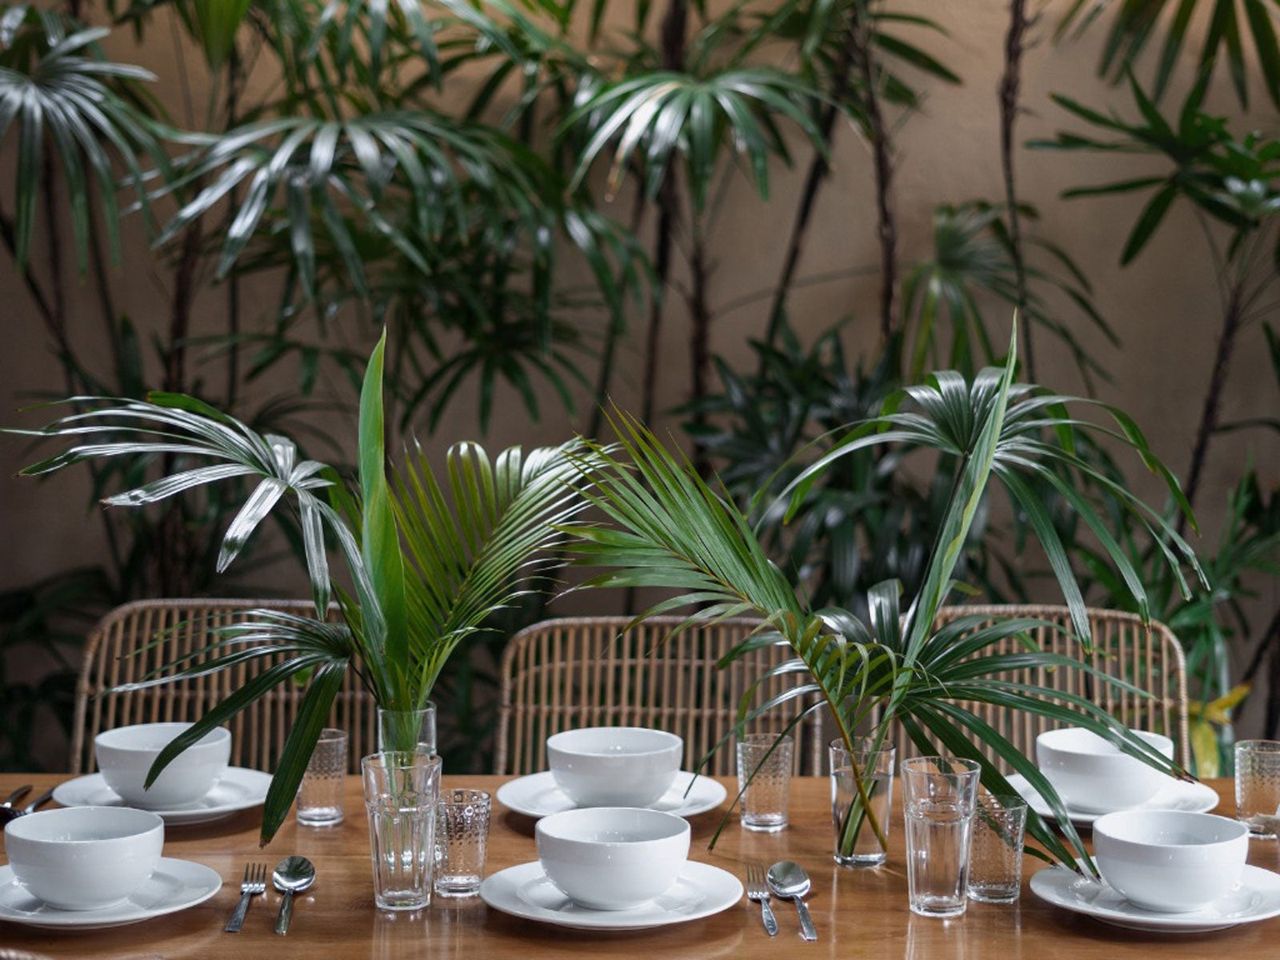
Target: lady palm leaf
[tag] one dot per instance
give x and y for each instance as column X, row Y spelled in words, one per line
column 663, row 114
column 58, row 92
column 1229, row 23
column 302, row 174
column 669, row 529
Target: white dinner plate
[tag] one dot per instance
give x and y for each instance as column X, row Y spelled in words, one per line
column 1175, row 795
column 525, row 891
column 237, row 789
column 1255, row 897
column 538, row 796
column 174, row 885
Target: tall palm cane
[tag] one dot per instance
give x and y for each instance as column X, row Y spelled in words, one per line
column 428, row 558
column 670, row 529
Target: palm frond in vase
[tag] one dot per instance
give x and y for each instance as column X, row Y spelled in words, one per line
column 669, row 529
column 429, row 557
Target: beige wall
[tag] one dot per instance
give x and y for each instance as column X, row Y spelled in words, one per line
column 1163, row 307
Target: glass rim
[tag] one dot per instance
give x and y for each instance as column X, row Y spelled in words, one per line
column 1263, row 745
column 474, row 796
column 764, row 739
column 1010, row 802
column 839, row 744
column 331, row 735
column 399, row 760
column 959, row 766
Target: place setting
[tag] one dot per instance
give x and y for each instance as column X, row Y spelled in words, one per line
column 612, row 840
column 1160, row 866
column 197, row 787
column 612, row 766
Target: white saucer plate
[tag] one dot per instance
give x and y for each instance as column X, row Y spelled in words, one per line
column 1255, row 897
column 525, row 891
column 237, row 789
column 1175, row 795
column 538, row 796
column 174, row 885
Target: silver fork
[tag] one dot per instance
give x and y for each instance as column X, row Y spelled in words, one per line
column 253, row 884
column 758, row 891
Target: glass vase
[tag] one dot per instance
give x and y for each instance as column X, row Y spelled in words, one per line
column 401, row 791
column 403, row 731
column 857, row 844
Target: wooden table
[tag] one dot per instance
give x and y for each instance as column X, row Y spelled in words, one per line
column 859, row 913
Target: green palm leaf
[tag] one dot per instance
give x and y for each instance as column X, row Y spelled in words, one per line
column 58, row 92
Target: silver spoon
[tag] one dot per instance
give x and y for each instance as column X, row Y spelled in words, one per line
column 788, row 881
column 291, row 875
column 8, row 813
column 17, row 795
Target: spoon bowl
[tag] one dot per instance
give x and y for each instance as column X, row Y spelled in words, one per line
column 291, row 875
column 788, row 880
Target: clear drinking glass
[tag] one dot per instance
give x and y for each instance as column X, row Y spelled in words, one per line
column 401, row 790
column 764, row 802
column 400, row 730
column 462, row 834
column 856, row 842
column 938, row 800
column 995, row 852
column 1258, row 785
column 319, row 801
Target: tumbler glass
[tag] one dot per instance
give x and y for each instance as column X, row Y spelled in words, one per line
column 319, row 801
column 1258, row 785
column 401, row 790
column 995, row 852
column 938, row 800
column 462, row 834
column 764, row 771
column 857, row 844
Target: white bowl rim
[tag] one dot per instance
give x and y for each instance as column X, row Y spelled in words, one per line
column 546, row 826
column 672, row 740
column 213, row 738
column 16, row 826
column 1100, row 826
column 1160, row 740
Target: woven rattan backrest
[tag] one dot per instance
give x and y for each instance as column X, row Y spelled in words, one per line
column 176, row 628
column 1147, row 656
column 580, row 672
column 568, row 673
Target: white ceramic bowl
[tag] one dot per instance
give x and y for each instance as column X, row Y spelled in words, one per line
column 125, row 754
column 1168, row 860
column 612, row 858
column 614, row 766
column 1092, row 775
column 84, row 858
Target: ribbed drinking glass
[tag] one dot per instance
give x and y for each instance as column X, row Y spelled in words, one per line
column 401, row 790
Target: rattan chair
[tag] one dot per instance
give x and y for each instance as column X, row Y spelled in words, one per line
column 577, row 672
column 580, row 672
column 118, row 652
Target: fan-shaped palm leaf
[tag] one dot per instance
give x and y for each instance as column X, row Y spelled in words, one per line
column 1135, row 25
column 58, row 91
column 665, row 113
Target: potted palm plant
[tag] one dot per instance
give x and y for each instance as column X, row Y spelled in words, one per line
column 670, row 529
column 427, row 559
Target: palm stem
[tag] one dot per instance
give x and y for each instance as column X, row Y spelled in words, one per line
column 1009, row 87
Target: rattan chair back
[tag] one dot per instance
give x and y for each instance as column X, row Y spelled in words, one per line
column 138, row 638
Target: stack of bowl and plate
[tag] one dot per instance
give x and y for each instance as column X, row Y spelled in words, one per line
column 613, row 847
column 1164, row 863
column 99, row 861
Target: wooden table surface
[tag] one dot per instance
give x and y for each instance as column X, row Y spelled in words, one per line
column 859, row 913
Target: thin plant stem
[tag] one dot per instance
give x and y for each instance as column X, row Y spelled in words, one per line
column 1009, row 87
column 881, row 154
